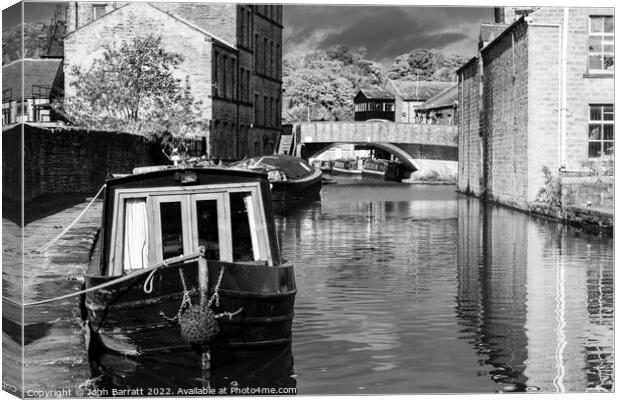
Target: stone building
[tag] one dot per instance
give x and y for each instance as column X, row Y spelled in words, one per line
column 397, row 101
column 539, row 94
column 232, row 61
column 440, row 109
column 42, row 83
column 409, row 95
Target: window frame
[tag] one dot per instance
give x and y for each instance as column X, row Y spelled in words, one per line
column 98, row 7
column 601, row 123
column 188, row 196
column 603, row 35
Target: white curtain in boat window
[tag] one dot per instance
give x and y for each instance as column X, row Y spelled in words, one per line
column 135, row 244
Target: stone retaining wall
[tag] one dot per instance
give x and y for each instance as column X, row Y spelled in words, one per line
column 69, row 160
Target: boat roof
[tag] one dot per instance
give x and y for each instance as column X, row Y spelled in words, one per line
column 224, row 174
column 293, row 167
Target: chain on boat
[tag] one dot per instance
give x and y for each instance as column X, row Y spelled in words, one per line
column 198, row 322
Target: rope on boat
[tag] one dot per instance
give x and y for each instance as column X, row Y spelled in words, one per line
column 133, row 275
column 62, row 233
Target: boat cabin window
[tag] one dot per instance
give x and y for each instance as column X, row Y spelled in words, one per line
column 171, row 225
column 208, row 235
column 150, row 228
column 136, row 238
column 244, row 240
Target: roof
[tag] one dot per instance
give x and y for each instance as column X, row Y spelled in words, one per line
column 170, row 14
column 444, row 99
column 37, row 71
column 419, row 90
column 376, row 93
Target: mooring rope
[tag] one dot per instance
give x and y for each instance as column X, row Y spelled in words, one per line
column 164, row 263
column 61, row 234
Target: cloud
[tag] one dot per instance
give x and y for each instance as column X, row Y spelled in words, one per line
column 385, row 31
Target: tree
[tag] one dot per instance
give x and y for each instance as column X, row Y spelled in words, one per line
column 425, row 64
column 320, row 85
column 132, row 88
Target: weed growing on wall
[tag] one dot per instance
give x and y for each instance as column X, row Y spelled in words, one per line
column 550, row 193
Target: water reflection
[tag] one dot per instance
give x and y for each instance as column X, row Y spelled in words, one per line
column 420, row 290
column 179, row 373
column 523, row 287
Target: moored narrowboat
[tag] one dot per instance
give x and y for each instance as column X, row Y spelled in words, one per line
column 346, row 167
column 188, row 258
column 291, row 178
column 383, row 169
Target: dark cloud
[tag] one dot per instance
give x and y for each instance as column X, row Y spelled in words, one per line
column 385, row 31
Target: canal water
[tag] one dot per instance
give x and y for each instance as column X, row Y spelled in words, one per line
column 417, row 289
column 406, row 289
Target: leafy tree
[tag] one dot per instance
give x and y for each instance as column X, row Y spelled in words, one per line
column 425, row 64
column 132, row 88
column 320, row 85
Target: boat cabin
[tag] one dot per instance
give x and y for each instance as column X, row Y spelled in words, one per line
column 153, row 216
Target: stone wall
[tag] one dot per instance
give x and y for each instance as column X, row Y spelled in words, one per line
column 470, row 151
column 586, row 191
column 58, row 161
column 505, row 116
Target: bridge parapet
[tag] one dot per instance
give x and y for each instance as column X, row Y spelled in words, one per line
column 377, row 132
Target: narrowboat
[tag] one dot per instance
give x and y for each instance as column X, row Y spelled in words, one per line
column 383, row 169
column 188, row 260
column 326, row 166
column 346, row 167
column 291, row 178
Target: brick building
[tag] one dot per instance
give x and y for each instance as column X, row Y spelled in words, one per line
column 232, row 60
column 539, row 94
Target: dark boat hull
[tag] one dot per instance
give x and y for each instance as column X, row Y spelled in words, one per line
column 297, row 190
column 125, row 319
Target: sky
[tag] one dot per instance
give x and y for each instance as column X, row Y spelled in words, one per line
column 386, row 32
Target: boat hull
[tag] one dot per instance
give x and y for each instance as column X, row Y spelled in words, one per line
column 125, row 319
column 297, row 190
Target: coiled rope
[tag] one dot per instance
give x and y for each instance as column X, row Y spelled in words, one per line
column 151, row 269
column 62, row 233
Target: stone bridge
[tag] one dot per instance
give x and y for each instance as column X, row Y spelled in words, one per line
column 412, row 144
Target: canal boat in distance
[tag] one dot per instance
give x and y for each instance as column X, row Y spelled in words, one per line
column 207, row 238
column 291, row 178
column 383, row 169
column 346, row 167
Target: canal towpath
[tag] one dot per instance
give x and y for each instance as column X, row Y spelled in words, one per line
column 54, row 354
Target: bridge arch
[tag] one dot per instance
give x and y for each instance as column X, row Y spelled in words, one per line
column 314, row 149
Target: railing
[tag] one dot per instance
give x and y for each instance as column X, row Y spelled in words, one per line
column 41, row 91
column 7, row 95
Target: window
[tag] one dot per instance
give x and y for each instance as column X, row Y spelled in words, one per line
column 265, row 48
column 256, row 111
column 601, row 130
column 272, row 60
column 389, row 107
column 98, row 11
column 601, row 44
column 216, row 59
column 265, row 110
column 256, row 51
column 224, row 81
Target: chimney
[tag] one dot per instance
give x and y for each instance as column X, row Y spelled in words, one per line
column 500, row 17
